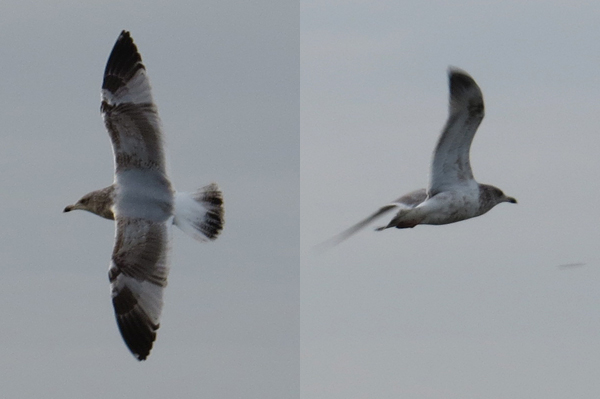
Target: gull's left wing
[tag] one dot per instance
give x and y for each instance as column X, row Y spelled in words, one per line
column 451, row 165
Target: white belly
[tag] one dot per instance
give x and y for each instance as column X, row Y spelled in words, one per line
column 450, row 206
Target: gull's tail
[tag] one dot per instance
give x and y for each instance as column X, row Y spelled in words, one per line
column 200, row 214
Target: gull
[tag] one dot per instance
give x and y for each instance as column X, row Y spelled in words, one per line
column 141, row 200
column 453, row 194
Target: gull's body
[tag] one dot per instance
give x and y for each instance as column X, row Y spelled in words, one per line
column 453, row 194
column 141, row 200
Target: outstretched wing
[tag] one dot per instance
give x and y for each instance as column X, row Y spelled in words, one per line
column 143, row 206
column 450, row 165
column 138, row 275
column 130, row 115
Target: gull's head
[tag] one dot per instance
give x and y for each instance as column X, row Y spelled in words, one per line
column 83, row 204
column 496, row 196
column 490, row 196
column 500, row 197
column 99, row 202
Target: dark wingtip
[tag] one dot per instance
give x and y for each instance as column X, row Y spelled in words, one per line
column 464, row 92
column 459, row 79
column 138, row 332
column 69, row 208
column 138, row 335
column 124, row 61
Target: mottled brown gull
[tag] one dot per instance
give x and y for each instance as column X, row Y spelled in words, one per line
column 141, row 200
column 453, row 194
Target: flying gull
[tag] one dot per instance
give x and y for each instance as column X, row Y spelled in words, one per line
column 453, row 194
column 141, row 200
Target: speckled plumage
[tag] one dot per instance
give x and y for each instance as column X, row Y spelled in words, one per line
column 141, row 200
column 453, row 194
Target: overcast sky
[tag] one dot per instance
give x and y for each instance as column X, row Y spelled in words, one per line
column 225, row 77
column 477, row 309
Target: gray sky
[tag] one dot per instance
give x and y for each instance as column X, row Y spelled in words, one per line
column 225, row 77
column 477, row 309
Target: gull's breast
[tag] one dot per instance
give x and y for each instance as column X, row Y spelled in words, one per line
column 451, row 206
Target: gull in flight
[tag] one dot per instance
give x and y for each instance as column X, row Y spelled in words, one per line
column 141, row 200
column 453, row 194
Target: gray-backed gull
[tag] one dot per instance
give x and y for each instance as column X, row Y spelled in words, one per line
column 141, row 200
column 453, row 194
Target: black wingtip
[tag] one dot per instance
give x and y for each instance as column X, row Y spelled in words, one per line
column 138, row 336
column 459, row 79
column 138, row 332
column 124, row 61
column 464, row 92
